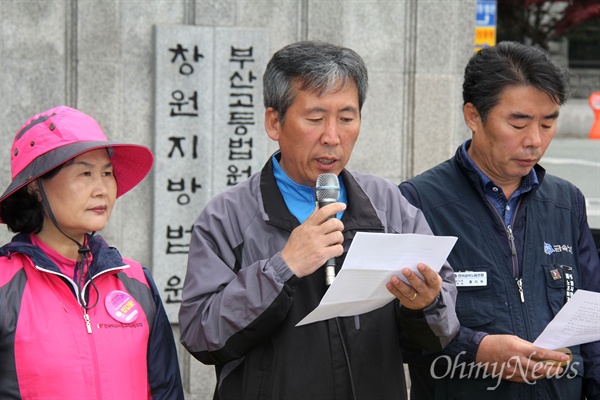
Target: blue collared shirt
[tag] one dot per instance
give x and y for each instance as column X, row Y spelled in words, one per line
column 300, row 199
column 495, row 194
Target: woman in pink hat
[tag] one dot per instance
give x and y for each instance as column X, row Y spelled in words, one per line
column 77, row 321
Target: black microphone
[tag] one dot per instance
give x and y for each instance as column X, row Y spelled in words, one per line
column 327, row 191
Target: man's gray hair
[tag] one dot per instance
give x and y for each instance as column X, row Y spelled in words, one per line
column 317, row 66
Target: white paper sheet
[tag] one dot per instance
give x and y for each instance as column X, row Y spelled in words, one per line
column 373, row 258
column 576, row 323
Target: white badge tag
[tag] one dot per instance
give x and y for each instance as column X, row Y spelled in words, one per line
column 470, row 278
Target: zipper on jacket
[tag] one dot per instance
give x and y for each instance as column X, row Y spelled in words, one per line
column 520, row 286
column 513, row 248
column 515, row 266
column 83, row 303
column 81, row 297
column 513, row 252
column 86, row 317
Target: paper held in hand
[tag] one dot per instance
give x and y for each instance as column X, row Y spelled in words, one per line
column 373, row 258
column 576, row 323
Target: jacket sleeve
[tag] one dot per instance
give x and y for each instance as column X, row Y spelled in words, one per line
column 590, row 270
column 435, row 326
column 163, row 367
column 227, row 310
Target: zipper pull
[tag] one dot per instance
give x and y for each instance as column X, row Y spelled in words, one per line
column 88, row 325
column 520, row 285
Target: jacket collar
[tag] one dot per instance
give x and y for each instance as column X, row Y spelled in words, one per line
column 360, row 214
column 104, row 257
column 473, row 176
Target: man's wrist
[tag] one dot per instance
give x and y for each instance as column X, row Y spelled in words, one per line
column 473, row 345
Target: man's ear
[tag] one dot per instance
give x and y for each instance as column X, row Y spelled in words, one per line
column 471, row 116
column 272, row 124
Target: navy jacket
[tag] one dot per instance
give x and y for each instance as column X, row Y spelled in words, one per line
column 550, row 241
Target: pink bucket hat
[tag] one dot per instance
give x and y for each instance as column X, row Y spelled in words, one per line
column 60, row 134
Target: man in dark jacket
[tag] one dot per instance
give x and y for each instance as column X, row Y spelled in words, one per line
column 257, row 251
column 524, row 245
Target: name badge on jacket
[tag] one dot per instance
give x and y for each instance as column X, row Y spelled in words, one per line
column 470, row 278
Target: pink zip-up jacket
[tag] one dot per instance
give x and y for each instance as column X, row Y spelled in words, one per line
column 51, row 348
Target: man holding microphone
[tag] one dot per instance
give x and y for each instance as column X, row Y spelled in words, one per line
column 257, row 253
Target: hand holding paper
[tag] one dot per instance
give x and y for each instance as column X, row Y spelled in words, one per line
column 576, row 323
column 373, row 258
column 419, row 293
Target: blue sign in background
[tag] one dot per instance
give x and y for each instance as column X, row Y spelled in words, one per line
column 486, row 13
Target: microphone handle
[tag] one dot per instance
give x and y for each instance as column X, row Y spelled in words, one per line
column 330, row 271
column 330, row 265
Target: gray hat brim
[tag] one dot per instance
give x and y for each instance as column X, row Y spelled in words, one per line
column 131, row 164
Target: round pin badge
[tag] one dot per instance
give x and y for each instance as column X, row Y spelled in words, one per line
column 121, row 306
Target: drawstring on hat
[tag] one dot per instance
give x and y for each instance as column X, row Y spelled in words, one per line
column 82, row 266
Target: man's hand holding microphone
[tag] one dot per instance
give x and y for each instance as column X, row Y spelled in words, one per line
column 318, row 240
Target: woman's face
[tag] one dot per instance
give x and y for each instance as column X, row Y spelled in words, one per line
column 81, row 195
